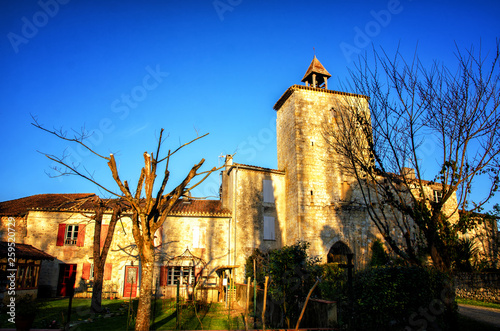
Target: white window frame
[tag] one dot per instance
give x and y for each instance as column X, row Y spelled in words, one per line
column 268, row 190
column 184, row 272
column 71, row 234
column 269, row 228
column 438, row 196
column 196, row 237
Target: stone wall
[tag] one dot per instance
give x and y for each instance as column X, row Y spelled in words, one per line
column 210, row 244
column 319, row 194
column 249, row 209
column 478, row 286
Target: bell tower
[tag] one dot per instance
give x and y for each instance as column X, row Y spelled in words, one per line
column 316, row 75
column 313, row 174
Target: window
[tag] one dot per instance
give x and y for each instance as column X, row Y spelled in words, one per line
column 26, row 275
column 268, row 190
column 438, row 196
column 71, row 235
column 269, row 228
column 198, row 237
column 88, row 271
column 169, row 276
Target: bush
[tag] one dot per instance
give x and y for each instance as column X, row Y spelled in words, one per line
column 379, row 255
column 261, row 264
column 292, row 274
column 333, row 282
column 395, row 298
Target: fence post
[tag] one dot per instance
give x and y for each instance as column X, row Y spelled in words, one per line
column 264, row 305
column 246, row 307
column 305, row 304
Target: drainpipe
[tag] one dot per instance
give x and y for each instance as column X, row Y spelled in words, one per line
column 234, row 215
column 234, row 208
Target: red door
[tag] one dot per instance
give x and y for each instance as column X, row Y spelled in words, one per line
column 131, row 278
column 67, row 276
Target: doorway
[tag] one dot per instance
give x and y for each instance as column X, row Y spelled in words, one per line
column 66, row 283
column 131, row 278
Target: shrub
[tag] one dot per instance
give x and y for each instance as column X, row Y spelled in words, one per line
column 392, row 298
column 261, row 263
column 292, row 274
column 333, row 282
column 379, row 255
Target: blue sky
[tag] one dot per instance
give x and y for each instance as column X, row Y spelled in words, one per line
column 125, row 69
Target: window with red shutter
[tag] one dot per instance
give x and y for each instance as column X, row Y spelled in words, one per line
column 61, row 232
column 108, row 267
column 86, row 271
column 81, row 235
column 104, row 233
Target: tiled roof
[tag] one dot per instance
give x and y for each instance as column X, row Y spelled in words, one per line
column 317, row 68
column 24, row 251
column 192, row 207
column 20, row 207
column 252, row 167
column 82, row 202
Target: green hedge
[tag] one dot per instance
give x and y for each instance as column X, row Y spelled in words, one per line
column 402, row 298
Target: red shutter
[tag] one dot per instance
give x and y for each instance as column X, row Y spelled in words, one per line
column 107, row 271
column 163, row 275
column 86, row 271
column 104, row 233
column 60, row 234
column 81, row 235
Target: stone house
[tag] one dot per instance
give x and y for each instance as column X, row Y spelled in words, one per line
column 309, row 198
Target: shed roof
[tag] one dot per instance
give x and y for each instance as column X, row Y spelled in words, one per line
column 24, row 251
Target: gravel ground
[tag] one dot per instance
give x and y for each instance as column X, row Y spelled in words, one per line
column 483, row 314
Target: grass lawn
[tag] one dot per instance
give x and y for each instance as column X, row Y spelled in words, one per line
column 209, row 316
column 57, row 310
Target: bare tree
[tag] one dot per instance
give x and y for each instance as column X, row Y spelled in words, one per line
column 148, row 209
column 419, row 117
column 100, row 250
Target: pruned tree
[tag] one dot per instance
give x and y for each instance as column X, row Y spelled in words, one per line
column 148, row 207
column 414, row 117
column 101, row 247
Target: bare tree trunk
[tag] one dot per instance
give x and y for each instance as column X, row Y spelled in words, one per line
column 146, row 291
column 95, row 305
column 100, row 254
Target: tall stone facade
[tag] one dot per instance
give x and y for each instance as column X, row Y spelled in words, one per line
column 319, row 194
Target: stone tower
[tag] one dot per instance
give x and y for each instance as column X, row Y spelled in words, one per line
column 317, row 191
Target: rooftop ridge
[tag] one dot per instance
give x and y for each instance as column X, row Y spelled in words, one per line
column 295, row 87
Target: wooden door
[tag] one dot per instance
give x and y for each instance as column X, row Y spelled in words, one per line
column 66, row 283
column 131, row 279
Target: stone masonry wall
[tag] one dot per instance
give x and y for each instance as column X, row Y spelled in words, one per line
column 251, row 210
column 210, row 244
column 478, row 286
column 42, row 232
column 318, row 196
